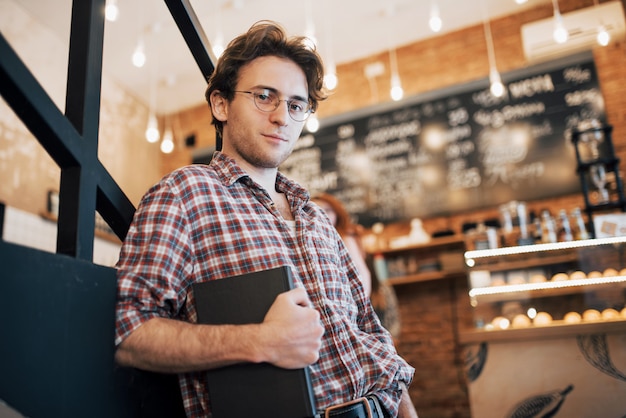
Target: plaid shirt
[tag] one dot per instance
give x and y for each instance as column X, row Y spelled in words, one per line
column 204, row 223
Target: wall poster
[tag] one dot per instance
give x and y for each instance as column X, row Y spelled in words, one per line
column 455, row 150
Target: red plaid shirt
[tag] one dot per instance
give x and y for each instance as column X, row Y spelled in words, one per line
column 203, row 223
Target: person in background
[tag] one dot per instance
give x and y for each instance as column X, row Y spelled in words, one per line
column 382, row 296
column 350, row 232
column 238, row 215
column 384, row 300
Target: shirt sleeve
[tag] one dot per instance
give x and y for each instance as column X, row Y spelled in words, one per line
column 154, row 262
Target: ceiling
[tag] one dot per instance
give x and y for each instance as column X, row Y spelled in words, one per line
column 346, row 30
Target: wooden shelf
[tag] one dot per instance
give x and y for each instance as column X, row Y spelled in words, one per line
column 558, row 329
column 425, row 277
column 451, row 241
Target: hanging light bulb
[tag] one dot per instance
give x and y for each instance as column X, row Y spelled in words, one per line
column 152, row 131
column 330, row 78
column 218, row 46
column 396, row 91
column 560, row 33
column 111, row 11
column 312, row 123
column 309, row 31
column 435, row 23
column 139, row 55
column 167, row 145
column 603, row 36
column 218, row 49
column 520, row 1
column 496, row 88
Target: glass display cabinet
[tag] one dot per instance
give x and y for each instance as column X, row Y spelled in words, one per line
column 548, row 285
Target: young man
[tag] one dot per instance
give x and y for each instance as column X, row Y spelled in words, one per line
column 239, row 215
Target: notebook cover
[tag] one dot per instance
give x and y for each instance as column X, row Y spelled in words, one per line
column 248, row 389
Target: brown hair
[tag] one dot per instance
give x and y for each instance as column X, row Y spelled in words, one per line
column 265, row 38
column 345, row 225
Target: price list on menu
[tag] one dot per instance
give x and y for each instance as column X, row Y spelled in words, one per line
column 456, row 150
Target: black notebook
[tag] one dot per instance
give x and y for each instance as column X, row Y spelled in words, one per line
column 248, row 389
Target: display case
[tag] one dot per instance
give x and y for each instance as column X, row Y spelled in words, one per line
column 552, row 285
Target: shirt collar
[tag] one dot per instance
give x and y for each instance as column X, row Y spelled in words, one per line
column 230, row 172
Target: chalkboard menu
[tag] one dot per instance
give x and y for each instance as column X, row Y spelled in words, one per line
column 454, row 150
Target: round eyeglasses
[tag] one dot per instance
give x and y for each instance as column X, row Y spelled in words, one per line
column 267, row 101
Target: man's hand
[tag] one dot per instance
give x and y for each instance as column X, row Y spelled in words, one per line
column 292, row 331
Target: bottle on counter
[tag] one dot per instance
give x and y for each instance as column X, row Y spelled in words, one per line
column 537, row 231
column 565, row 232
column 581, row 228
column 548, row 227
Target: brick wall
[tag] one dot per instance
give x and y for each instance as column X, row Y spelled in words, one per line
column 434, row 312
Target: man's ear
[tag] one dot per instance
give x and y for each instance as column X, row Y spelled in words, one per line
column 219, row 106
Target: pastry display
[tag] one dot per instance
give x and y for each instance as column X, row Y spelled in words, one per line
column 516, row 279
column 521, row 321
column 577, row 275
column 623, row 313
column 538, row 278
column 497, row 281
column 610, row 272
column 610, row 313
column 542, row 318
column 500, row 322
column 560, row 277
column 592, row 315
column 622, row 272
column 594, row 274
column 572, row 318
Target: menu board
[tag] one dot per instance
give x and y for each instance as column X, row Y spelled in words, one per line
column 454, row 150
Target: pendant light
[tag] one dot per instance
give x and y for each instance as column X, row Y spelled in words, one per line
column 218, row 44
column 330, row 73
column 139, row 54
column 435, row 22
column 111, row 11
column 396, row 92
column 603, row 37
column 495, row 82
column 167, row 144
column 560, row 33
column 152, row 130
column 309, row 31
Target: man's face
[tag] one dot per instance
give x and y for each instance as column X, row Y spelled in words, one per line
column 264, row 139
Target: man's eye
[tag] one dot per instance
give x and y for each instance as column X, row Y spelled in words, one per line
column 264, row 97
column 297, row 106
